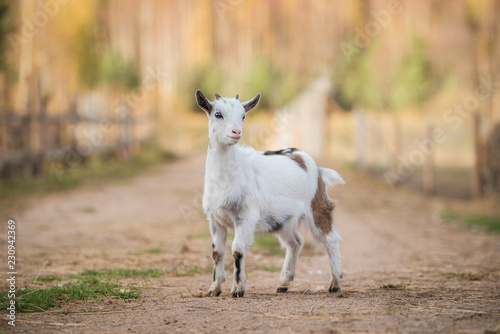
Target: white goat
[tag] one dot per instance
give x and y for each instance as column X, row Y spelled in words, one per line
column 255, row 192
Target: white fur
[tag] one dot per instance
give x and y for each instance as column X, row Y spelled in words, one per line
column 251, row 192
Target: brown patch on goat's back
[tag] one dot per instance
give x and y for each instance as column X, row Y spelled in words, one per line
column 322, row 207
column 299, row 160
column 289, row 152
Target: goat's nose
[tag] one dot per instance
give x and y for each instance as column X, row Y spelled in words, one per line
column 236, row 132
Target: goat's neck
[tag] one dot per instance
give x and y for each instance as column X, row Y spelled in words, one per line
column 223, row 162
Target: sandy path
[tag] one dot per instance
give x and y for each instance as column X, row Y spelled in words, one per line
column 405, row 270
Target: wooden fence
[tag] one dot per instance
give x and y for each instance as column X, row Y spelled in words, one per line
column 29, row 141
column 430, row 155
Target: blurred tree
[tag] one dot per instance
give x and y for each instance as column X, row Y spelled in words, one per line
column 413, row 83
column 261, row 78
column 86, row 56
column 207, row 78
column 7, row 24
column 116, row 72
column 354, row 80
column 365, row 80
column 99, row 64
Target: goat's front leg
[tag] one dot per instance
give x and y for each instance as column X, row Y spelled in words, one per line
column 243, row 238
column 219, row 233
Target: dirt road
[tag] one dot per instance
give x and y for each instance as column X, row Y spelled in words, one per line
column 405, row 271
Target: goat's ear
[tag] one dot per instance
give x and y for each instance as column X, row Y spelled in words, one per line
column 250, row 104
column 203, row 102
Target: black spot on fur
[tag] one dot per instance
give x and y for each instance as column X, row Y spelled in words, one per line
column 274, row 225
column 281, row 152
column 213, row 245
column 237, row 265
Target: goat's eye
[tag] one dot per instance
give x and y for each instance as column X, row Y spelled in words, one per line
column 244, row 117
column 218, row 115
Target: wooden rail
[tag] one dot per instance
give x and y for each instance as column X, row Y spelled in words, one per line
column 29, row 141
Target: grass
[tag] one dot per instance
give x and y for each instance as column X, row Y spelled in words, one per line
column 271, row 269
column 36, row 300
column 268, row 245
column 205, row 234
column 116, row 274
column 154, row 251
column 492, row 224
column 190, row 271
column 148, row 251
column 48, row 278
column 350, row 165
column 88, row 285
column 14, row 189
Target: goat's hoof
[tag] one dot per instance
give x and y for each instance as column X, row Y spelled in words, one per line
column 282, row 289
column 214, row 292
column 334, row 289
column 236, row 294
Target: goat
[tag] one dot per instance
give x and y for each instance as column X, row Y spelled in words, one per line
column 262, row 192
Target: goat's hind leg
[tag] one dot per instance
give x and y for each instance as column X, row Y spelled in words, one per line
column 331, row 243
column 219, row 234
column 293, row 243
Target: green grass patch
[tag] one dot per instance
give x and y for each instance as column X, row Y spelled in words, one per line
column 88, row 285
column 205, row 234
column 116, row 274
column 148, row 251
column 492, row 224
column 189, row 271
column 270, row 269
column 154, row 251
column 57, row 179
column 48, row 278
column 267, row 245
column 350, row 165
column 39, row 300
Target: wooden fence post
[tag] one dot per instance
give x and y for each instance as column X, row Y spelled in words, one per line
column 429, row 171
column 27, row 142
column 3, row 111
column 125, row 132
column 4, row 136
column 397, row 144
column 477, row 183
column 39, row 163
column 361, row 144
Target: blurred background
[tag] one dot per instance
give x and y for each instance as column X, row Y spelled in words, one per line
column 408, row 90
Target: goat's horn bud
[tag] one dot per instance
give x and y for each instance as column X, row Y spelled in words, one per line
column 217, row 96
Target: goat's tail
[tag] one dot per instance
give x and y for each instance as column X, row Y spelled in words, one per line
column 331, row 177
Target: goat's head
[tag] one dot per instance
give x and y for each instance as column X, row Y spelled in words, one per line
column 225, row 116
